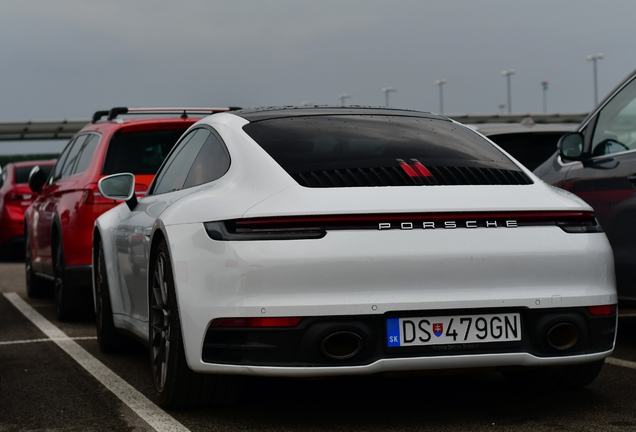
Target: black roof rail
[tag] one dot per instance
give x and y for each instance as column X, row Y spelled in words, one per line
column 183, row 112
column 98, row 115
column 114, row 112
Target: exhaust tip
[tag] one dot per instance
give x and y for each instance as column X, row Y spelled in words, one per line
column 563, row 336
column 341, row 345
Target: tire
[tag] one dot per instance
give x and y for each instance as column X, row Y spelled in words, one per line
column 108, row 338
column 66, row 301
column 36, row 287
column 555, row 378
column 176, row 385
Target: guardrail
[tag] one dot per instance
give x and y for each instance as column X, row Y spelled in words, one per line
column 64, row 129
column 575, row 117
column 40, row 129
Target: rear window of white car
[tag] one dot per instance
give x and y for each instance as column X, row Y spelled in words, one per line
column 377, row 150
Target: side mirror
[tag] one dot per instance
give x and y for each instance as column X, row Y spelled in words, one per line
column 570, row 146
column 37, row 178
column 119, row 187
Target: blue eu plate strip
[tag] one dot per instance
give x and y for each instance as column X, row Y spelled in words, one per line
column 393, row 331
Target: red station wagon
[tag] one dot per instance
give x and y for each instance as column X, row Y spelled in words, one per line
column 59, row 224
column 15, row 197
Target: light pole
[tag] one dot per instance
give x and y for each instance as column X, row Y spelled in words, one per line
column 544, row 84
column 386, row 91
column 440, row 84
column 593, row 59
column 507, row 74
column 342, row 97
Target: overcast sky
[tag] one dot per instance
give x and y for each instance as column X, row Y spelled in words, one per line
column 68, row 58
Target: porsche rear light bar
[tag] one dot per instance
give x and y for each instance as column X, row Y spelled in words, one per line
column 313, row 227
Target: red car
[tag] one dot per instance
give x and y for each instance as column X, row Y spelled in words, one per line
column 15, row 197
column 59, row 224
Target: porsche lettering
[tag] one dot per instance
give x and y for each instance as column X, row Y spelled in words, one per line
column 451, row 224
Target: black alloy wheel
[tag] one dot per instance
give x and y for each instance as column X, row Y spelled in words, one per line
column 108, row 338
column 35, row 286
column 160, row 323
column 175, row 383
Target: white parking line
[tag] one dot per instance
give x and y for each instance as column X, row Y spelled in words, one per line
column 619, row 362
column 27, row 341
column 142, row 406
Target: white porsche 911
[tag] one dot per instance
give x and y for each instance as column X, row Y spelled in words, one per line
column 320, row 241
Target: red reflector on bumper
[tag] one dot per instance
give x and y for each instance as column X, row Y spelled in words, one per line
column 602, row 310
column 255, row 322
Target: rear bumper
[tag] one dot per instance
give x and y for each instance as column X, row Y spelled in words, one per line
column 356, row 278
column 301, row 346
column 12, row 226
column 406, row 364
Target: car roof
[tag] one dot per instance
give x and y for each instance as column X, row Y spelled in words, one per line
column 268, row 113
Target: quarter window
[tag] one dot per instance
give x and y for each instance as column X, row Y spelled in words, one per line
column 71, row 160
column 175, row 171
column 211, row 163
column 85, row 157
column 57, row 171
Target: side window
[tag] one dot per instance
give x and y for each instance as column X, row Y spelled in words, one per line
column 174, row 172
column 57, row 170
column 86, row 155
column 211, row 163
column 71, row 159
column 615, row 130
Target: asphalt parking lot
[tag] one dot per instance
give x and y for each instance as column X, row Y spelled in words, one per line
column 53, row 377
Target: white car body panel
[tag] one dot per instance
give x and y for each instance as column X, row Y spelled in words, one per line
column 315, row 278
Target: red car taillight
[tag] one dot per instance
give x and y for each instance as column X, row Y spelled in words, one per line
column 13, row 196
column 92, row 195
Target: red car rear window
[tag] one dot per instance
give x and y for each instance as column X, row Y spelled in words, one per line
column 139, row 152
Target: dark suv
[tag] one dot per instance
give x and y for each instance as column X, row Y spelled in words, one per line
column 59, row 224
column 598, row 163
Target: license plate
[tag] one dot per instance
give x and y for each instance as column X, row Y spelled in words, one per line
column 459, row 329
